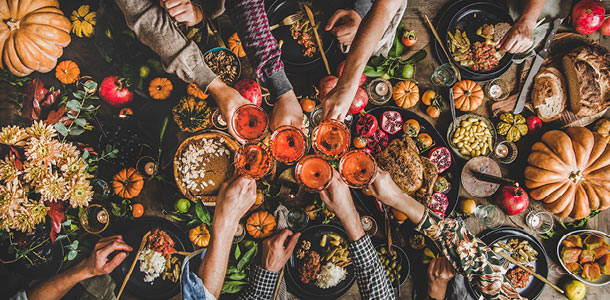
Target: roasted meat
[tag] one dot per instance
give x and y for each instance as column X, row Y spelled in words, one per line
column 310, row 266
column 401, row 159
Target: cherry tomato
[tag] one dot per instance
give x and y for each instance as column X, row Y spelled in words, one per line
column 308, row 105
column 137, row 210
column 427, row 97
column 433, row 112
column 408, row 38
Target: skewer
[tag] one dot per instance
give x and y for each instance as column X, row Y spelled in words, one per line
column 133, row 264
column 438, row 39
column 540, row 277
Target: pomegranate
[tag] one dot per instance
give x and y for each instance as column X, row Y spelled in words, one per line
column 115, row 92
column 533, row 124
column 360, row 101
column 441, row 157
column 326, row 84
column 366, row 125
column 340, row 71
column 439, row 204
column 250, row 90
column 605, row 29
column 588, row 16
column 378, row 141
column 512, row 200
column 391, row 121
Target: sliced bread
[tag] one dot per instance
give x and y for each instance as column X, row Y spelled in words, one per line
column 549, row 95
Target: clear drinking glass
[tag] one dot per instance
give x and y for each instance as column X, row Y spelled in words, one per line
column 297, row 219
column 490, row 215
column 94, row 219
column 540, row 221
column 445, row 75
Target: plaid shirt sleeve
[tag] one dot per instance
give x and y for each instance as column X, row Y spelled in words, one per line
column 373, row 282
column 250, row 19
column 262, row 284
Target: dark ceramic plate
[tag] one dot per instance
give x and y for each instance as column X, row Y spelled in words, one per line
column 310, row 290
column 468, row 16
column 159, row 289
column 535, row 286
column 404, row 261
column 451, row 174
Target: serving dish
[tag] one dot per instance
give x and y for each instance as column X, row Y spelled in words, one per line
column 464, row 117
column 236, row 63
column 404, row 262
column 605, row 279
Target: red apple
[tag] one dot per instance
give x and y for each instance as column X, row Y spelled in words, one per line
column 115, row 92
column 533, row 124
column 512, row 200
column 340, row 71
column 250, row 90
column 326, row 84
column 605, row 29
column 588, row 16
column 360, row 101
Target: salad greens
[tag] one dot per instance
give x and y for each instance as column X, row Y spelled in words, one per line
column 238, row 269
column 393, row 67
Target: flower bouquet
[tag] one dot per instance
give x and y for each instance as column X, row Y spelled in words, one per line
column 39, row 177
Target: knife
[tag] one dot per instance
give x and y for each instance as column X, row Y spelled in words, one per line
column 527, row 86
column 315, row 31
column 494, row 179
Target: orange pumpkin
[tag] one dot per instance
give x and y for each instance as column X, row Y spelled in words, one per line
column 194, row 90
column 200, row 235
column 160, row 88
column 127, row 183
column 406, row 94
column 260, row 224
column 32, row 35
column 468, row 95
column 570, row 172
column 67, row 72
column 236, row 46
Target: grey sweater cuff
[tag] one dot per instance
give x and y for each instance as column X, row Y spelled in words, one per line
column 278, row 84
column 362, row 7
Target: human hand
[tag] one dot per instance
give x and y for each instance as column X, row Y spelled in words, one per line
column 228, row 100
column 440, row 271
column 234, row 199
column 337, row 102
column 278, row 249
column 385, row 189
column 183, row 11
column 98, row 263
column 344, row 25
column 287, row 111
column 519, row 38
column 338, row 199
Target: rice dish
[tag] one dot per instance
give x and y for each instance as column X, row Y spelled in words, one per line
column 330, row 275
column 152, row 263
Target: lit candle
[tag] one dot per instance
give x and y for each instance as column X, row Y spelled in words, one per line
column 501, row 151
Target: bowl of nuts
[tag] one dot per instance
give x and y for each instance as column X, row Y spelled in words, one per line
column 471, row 136
column 224, row 63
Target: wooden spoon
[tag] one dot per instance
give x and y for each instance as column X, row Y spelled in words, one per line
column 133, row 264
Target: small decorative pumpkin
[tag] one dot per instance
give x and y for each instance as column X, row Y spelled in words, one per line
column 83, row 21
column 406, row 94
column 260, row 224
column 512, row 126
column 127, row 183
column 200, row 235
column 194, row 90
column 236, row 46
column 468, row 95
column 32, row 35
column 192, row 115
column 570, row 172
column 67, row 72
column 160, row 88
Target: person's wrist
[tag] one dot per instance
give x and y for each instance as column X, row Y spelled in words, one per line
column 351, row 222
column 273, row 267
column 82, row 270
column 225, row 225
column 437, row 290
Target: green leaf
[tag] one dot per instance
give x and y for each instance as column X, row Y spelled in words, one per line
column 73, row 105
column 67, row 222
column 85, row 154
column 246, row 258
column 75, row 131
column 72, row 254
column 237, row 276
column 376, row 61
column 397, row 46
column 237, row 252
column 90, row 85
column 162, row 134
column 193, row 222
column 61, row 237
column 80, row 122
column 80, row 94
column 89, row 108
column 232, row 270
column 61, row 128
column 371, row 72
column 232, row 287
column 417, row 57
column 202, row 213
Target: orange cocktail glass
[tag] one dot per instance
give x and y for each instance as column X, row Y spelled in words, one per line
column 250, row 122
column 331, row 139
column 253, row 160
column 357, row 168
column 313, row 173
column 288, row 144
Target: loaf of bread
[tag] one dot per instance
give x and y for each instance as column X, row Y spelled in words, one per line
column 549, row 94
column 587, row 72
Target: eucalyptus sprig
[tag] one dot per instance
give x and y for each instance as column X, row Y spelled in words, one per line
column 84, row 106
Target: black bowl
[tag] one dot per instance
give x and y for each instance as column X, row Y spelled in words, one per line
column 406, row 265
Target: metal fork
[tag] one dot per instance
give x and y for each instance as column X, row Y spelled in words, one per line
column 291, row 19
